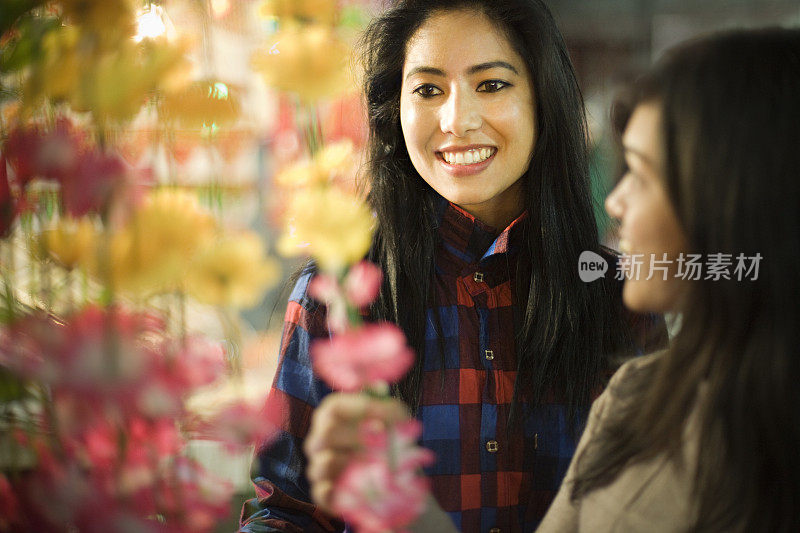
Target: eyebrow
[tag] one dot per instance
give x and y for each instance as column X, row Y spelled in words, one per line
column 641, row 155
column 474, row 69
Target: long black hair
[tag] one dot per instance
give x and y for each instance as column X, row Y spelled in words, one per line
column 565, row 329
column 729, row 106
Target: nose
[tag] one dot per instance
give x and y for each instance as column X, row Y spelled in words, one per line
column 460, row 113
column 615, row 204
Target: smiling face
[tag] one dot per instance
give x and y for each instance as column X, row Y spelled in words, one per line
column 467, row 114
column 648, row 223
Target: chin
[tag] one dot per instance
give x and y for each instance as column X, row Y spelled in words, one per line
column 644, row 299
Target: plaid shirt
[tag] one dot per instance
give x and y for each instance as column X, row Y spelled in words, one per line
column 486, row 477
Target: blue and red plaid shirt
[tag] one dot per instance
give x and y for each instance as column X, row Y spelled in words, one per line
column 486, row 477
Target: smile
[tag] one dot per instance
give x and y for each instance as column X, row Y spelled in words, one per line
column 468, row 157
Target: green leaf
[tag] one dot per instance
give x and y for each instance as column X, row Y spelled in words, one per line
column 13, row 10
column 12, row 388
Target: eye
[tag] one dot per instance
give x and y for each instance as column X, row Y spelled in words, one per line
column 427, row 90
column 493, row 86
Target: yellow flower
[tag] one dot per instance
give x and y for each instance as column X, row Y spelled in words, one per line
column 70, row 242
column 102, row 16
column 113, row 82
column 116, row 84
column 60, row 72
column 332, row 226
column 311, row 61
column 322, row 11
column 332, row 161
column 203, row 103
column 232, row 271
column 154, row 251
column 336, row 158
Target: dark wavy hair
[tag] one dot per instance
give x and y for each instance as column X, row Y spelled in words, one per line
column 565, row 329
column 730, row 105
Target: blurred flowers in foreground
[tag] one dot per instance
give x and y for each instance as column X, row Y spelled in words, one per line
column 310, row 61
column 97, row 362
column 385, row 495
column 108, row 443
column 331, row 225
column 232, row 272
column 381, row 488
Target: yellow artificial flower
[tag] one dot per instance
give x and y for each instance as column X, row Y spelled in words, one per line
column 321, row 11
column 108, row 19
column 311, row 61
column 232, row 272
column 154, row 250
column 336, row 158
column 332, row 226
column 60, row 72
column 113, row 82
column 116, row 85
column 332, row 161
column 70, row 242
column 203, row 103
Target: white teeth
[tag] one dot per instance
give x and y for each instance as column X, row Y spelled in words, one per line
column 469, row 157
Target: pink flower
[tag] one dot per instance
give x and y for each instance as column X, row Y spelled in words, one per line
column 363, row 283
column 324, row 288
column 374, row 497
column 384, row 489
column 242, row 424
column 370, row 355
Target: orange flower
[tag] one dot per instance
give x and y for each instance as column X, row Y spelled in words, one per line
column 203, row 103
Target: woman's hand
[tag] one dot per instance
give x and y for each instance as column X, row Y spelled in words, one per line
column 334, row 437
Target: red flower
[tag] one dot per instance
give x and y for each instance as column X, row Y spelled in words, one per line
column 93, row 182
column 36, row 153
column 8, row 210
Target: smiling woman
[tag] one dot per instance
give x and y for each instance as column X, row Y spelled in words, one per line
column 470, row 129
column 478, row 178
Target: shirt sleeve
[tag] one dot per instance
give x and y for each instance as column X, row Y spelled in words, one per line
column 282, row 501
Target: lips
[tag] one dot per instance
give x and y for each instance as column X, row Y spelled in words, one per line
column 466, row 160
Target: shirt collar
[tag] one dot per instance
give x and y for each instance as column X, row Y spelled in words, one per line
column 470, row 239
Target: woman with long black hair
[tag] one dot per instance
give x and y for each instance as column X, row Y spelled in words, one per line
column 478, row 178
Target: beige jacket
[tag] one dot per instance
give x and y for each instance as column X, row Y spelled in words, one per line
column 650, row 497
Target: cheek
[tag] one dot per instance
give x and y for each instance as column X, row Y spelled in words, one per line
column 653, row 233
column 516, row 123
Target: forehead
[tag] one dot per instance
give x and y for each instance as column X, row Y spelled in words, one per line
column 643, row 131
column 455, row 40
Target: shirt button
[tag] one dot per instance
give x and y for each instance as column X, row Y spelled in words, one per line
column 494, row 530
column 478, row 277
column 489, row 355
column 491, row 446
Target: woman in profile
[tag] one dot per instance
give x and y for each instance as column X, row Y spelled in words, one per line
column 703, row 436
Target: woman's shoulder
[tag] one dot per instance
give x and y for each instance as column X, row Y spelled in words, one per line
column 301, row 308
column 633, row 368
